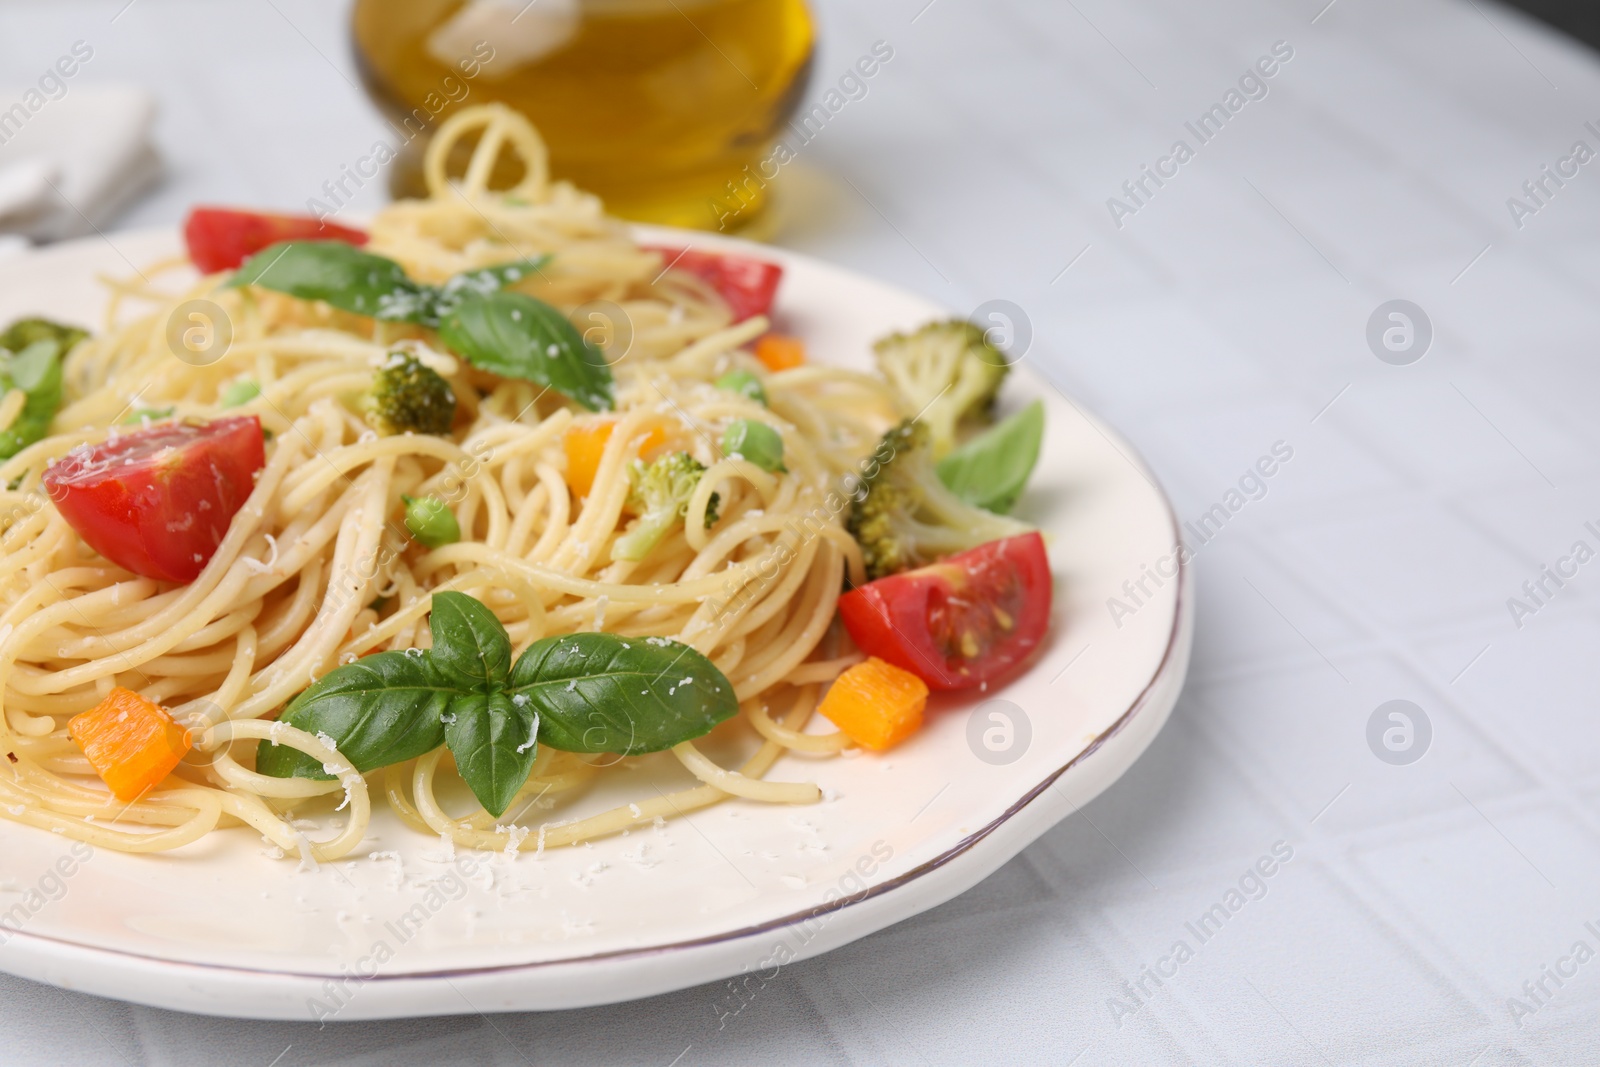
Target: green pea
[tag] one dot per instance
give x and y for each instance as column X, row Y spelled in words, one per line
column 431, row 521
column 140, row 415
column 756, row 442
column 745, row 384
column 240, row 392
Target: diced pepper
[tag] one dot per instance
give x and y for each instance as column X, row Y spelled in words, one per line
column 876, row 704
column 779, row 352
column 131, row 743
column 585, row 444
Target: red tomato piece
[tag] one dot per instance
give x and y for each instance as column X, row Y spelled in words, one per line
column 159, row 501
column 968, row 619
column 221, row 238
column 746, row 285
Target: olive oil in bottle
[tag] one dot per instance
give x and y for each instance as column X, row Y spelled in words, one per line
column 655, row 105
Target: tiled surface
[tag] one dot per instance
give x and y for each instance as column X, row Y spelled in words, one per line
column 1226, row 315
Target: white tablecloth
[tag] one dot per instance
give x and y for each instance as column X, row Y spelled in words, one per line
column 1428, row 912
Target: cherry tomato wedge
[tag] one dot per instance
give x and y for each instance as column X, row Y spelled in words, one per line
column 746, row 285
column 159, row 501
column 221, row 238
column 968, row 619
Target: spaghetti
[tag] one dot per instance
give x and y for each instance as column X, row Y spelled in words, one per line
column 314, row 570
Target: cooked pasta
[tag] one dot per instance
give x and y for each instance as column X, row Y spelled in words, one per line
column 317, row 568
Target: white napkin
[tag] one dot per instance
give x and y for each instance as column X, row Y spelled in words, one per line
column 68, row 168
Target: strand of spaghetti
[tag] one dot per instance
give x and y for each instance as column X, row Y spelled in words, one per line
column 678, row 803
column 693, row 358
column 354, row 571
column 206, row 807
column 230, row 773
column 738, row 785
column 556, row 582
column 315, row 479
column 805, row 629
column 394, row 791
column 355, row 786
column 413, row 611
column 817, row 744
column 822, row 670
column 500, row 124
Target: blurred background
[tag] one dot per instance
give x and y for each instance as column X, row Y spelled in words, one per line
column 982, row 151
column 1577, row 18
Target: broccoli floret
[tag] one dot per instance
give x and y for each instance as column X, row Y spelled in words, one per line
column 945, row 374
column 407, row 394
column 902, row 515
column 659, row 496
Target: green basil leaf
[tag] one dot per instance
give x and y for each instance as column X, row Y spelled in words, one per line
column 470, row 648
column 36, row 370
column 24, row 332
column 341, row 275
column 32, row 362
column 479, row 282
column 990, row 470
column 515, row 336
column 605, row 693
column 486, row 280
column 492, row 739
column 379, row 710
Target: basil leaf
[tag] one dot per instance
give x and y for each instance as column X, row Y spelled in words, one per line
column 492, row 739
column 470, row 648
column 604, row 693
column 378, row 710
column 515, row 336
column 990, row 470
column 36, row 370
column 34, row 350
column 341, row 275
column 480, row 282
column 486, row 280
column 24, row 332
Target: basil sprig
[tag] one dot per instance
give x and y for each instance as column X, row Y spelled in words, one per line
column 990, row 470
column 510, row 334
column 579, row 693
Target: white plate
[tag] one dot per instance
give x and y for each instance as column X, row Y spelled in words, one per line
column 219, row 927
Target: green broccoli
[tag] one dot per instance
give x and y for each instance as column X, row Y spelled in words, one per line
column 407, row 394
column 659, row 496
column 946, row 373
column 902, row 516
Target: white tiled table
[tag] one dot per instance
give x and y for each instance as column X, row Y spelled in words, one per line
column 1227, row 314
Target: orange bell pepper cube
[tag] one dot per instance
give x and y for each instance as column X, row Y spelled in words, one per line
column 131, row 743
column 585, row 443
column 876, row 704
column 778, row 352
